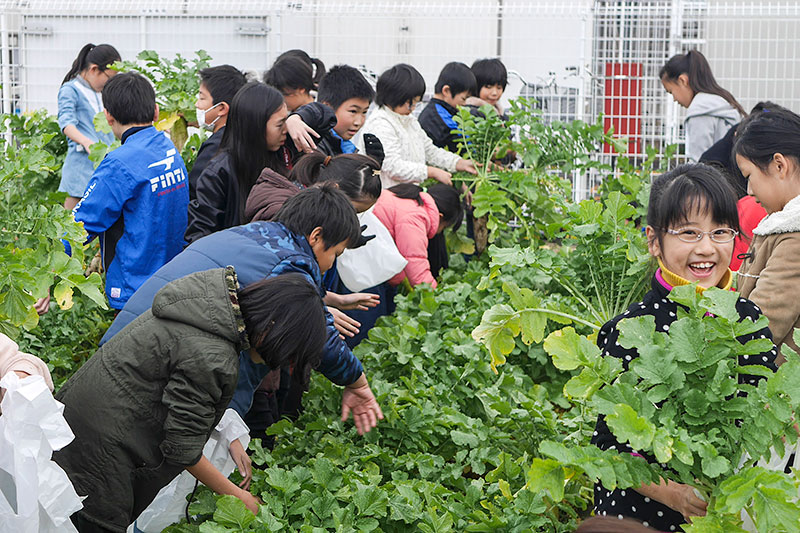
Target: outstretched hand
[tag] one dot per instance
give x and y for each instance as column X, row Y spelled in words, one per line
column 243, row 463
column 359, row 399
column 343, row 323
column 358, row 300
column 301, row 133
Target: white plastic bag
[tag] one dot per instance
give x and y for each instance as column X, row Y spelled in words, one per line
column 375, row 262
column 36, row 496
column 170, row 503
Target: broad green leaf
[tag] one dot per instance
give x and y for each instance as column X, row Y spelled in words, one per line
column 637, row 332
column 547, row 475
column 570, row 350
column 231, row 511
column 371, row 501
column 629, row 427
column 499, row 325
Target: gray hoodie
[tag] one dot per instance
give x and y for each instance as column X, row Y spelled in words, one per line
column 708, row 119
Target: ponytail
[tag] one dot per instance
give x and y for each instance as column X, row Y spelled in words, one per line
column 356, row 175
column 446, row 197
column 319, row 71
column 316, row 70
column 701, row 79
column 101, row 55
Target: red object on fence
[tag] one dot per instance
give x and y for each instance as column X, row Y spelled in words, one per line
column 623, row 104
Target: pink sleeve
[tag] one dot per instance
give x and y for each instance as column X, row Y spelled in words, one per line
column 411, row 238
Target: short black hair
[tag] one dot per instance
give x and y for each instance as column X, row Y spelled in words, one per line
column 284, row 320
column 356, row 175
column 341, row 83
column 222, row 82
column 399, row 85
column 675, row 194
column 289, row 74
column 489, row 72
column 130, row 99
column 326, row 207
column 458, row 77
column 763, row 134
column 446, row 198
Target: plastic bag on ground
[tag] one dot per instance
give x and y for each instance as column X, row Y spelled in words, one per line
column 169, row 505
column 375, row 262
column 36, row 496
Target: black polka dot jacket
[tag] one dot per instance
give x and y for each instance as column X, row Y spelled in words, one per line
column 629, row 503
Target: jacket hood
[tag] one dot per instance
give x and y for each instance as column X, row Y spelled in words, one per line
column 206, row 300
column 268, row 194
column 432, row 212
column 712, row 105
column 787, row 220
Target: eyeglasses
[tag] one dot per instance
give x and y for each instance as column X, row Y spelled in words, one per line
column 719, row 235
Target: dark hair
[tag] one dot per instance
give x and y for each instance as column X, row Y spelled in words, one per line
column 326, row 207
column 130, row 99
column 458, row 77
column 316, row 65
column 446, row 197
column 762, row 135
column 357, row 175
column 245, row 139
column 341, row 83
column 101, row 55
column 284, row 320
column 222, row 82
column 399, row 85
column 290, row 74
column 608, row 524
column 676, row 193
column 489, row 72
column 701, row 79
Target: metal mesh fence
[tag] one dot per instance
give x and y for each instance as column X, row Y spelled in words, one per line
column 577, row 58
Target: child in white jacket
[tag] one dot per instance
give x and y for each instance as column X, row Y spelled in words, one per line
column 410, row 155
column 13, row 360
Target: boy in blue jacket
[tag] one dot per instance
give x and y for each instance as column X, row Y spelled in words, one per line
column 456, row 82
column 138, row 197
column 308, row 233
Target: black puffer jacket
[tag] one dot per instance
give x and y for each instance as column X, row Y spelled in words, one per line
column 144, row 405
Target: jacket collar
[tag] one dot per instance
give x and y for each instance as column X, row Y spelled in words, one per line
column 787, row 220
column 450, row 109
column 130, row 131
column 402, row 119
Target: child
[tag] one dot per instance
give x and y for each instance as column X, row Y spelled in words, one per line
column 767, row 152
column 410, row 155
column 456, row 82
column 711, row 110
column 137, row 197
column 491, row 79
column 218, row 86
column 294, row 77
column 79, row 100
column 692, row 221
column 253, row 139
column 178, row 365
column 311, row 229
column 13, row 360
column 344, row 91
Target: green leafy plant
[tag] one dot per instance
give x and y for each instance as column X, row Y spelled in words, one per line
column 176, row 84
column 680, row 402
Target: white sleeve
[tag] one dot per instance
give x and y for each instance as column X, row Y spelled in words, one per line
column 435, row 156
column 395, row 167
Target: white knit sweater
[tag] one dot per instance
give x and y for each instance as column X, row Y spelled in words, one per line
column 408, row 149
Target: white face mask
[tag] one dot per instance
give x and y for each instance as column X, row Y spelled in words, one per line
column 201, row 118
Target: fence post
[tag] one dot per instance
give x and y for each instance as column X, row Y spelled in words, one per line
column 5, row 45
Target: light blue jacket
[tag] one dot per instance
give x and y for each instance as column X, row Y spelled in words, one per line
column 75, row 110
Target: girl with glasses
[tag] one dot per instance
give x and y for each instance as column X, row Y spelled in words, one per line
column 692, row 222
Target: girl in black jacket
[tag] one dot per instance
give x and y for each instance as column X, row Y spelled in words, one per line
column 692, row 221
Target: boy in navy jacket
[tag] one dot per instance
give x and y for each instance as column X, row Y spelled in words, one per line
column 137, row 199
column 456, row 82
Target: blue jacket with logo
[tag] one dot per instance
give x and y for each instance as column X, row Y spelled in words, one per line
column 257, row 251
column 136, row 202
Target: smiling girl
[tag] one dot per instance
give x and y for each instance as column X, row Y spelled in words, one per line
column 692, row 221
column 767, row 152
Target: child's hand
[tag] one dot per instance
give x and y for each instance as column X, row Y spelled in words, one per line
column 250, row 501
column 358, row 398
column 243, row 463
column 301, row 133
column 466, row 166
column 358, row 300
column 684, row 499
column 442, row 176
column 42, row 305
column 343, row 323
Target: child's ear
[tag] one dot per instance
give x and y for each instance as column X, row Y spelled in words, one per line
column 155, row 115
column 224, row 108
column 315, row 236
column 447, row 91
column 109, row 118
column 781, row 163
column 653, row 245
column 683, row 80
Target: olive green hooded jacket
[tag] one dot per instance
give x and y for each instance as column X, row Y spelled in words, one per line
column 145, row 403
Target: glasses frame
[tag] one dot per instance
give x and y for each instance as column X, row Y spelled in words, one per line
column 701, row 234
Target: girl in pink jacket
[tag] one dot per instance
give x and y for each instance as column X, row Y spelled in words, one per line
column 412, row 218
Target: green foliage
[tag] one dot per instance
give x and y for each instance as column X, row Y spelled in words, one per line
column 680, row 402
column 32, row 257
